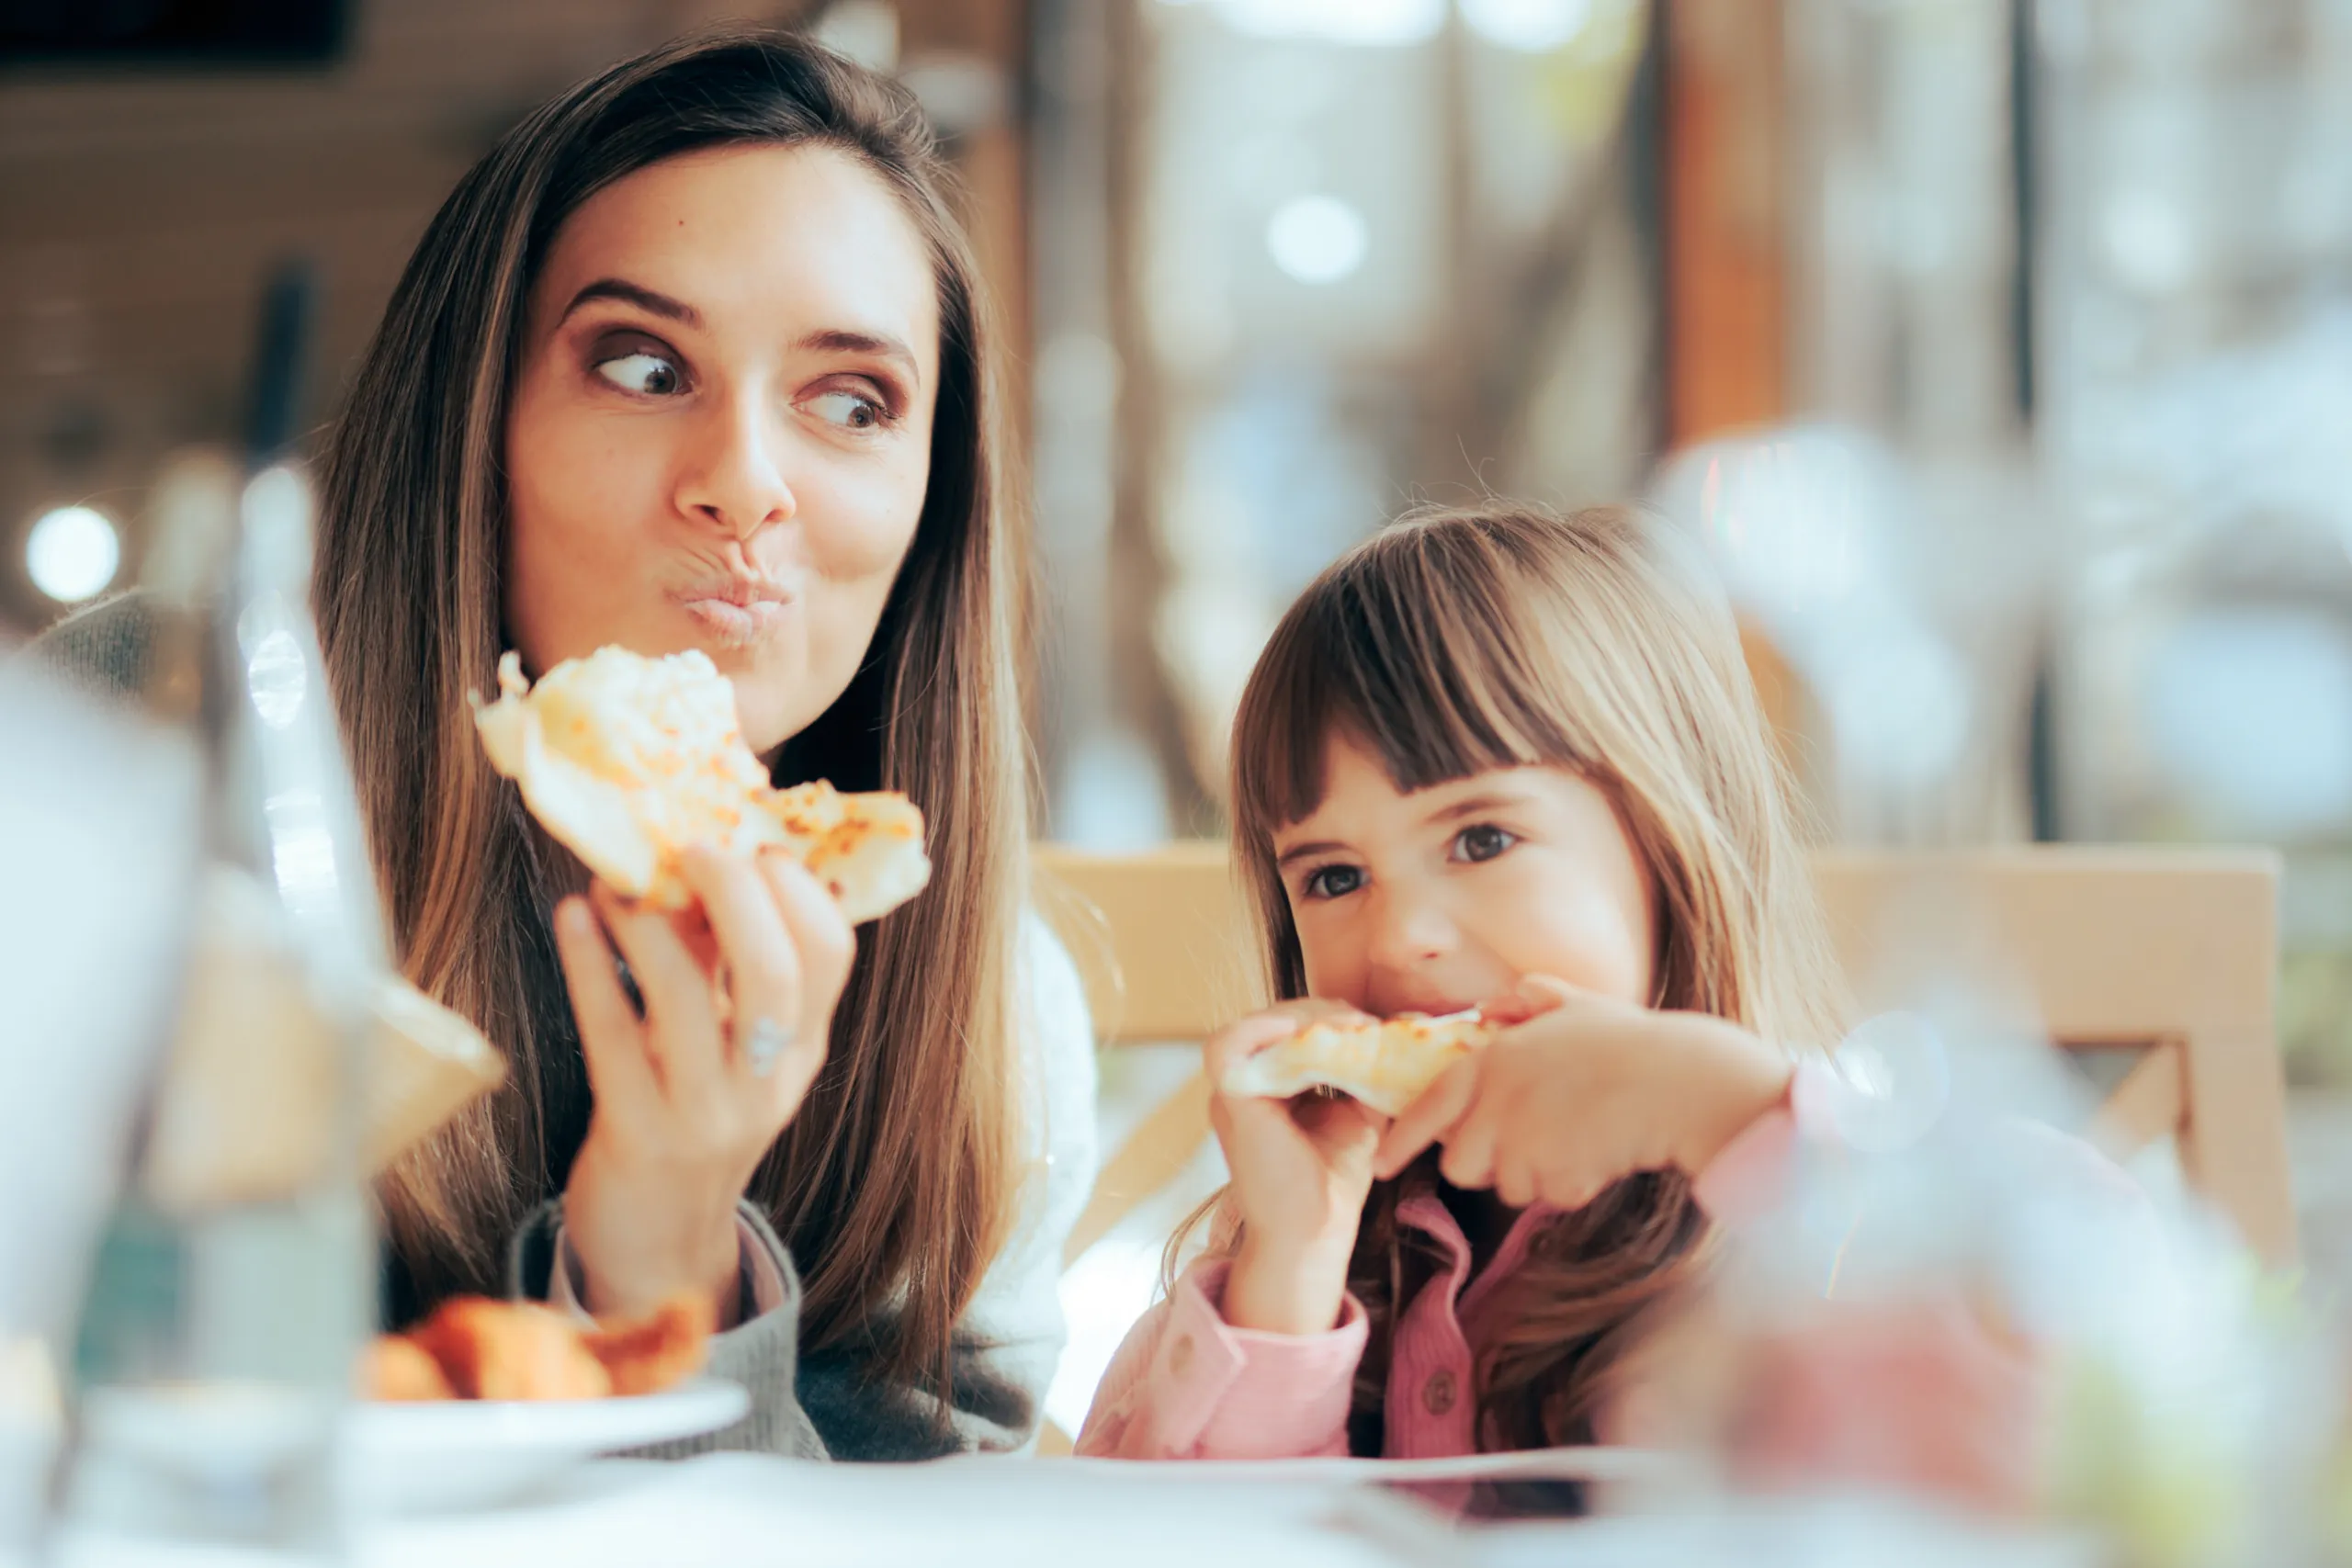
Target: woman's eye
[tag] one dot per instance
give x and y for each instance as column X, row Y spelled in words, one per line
column 1481, row 842
column 640, row 372
column 847, row 410
column 1333, row 881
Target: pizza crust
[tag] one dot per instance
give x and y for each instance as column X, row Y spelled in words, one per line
column 630, row 760
column 1385, row 1065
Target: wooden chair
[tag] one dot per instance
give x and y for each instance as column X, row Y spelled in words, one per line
column 2171, row 953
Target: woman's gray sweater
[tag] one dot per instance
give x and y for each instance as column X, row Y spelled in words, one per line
column 829, row 1404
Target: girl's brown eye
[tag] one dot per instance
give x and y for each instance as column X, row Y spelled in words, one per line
column 1333, row 881
column 1482, row 842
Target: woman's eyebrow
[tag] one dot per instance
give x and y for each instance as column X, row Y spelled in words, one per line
column 843, row 340
column 644, row 298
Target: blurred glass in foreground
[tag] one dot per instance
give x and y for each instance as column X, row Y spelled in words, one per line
column 235, row 1285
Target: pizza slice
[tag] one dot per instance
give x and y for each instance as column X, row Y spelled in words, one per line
column 630, row 761
column 1385, row 1065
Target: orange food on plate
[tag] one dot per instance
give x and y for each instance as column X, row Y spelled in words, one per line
column 512, row 1351
column 397, row 1369
column 473, row 1347
column 650, row 1354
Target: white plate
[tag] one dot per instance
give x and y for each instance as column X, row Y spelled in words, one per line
column 464, row 1453
column 397, row 1458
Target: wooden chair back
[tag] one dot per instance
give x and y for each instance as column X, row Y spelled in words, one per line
column 2170, row 953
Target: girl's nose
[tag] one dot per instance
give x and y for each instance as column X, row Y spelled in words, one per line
column 1409, row 930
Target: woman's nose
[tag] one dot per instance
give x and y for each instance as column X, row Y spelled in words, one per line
column 735, row 476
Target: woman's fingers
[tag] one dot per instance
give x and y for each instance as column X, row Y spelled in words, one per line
column 680, row 1004
column 762, row 965
column 824, row 945
column 823, row 940
column 611, row 1037
column 1428, row 1119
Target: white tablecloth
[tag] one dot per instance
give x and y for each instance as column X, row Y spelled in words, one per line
column 980, row 1512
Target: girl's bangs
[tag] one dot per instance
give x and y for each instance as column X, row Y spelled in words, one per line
column 1408, row 659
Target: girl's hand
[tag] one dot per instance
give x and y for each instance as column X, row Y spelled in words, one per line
column 1579, row 1092
column 738, row 996
column 1301, row 1171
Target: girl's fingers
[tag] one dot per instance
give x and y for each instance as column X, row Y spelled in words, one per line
column 1238, row 1041
column 679, row 1004
column 1469, row 1158
column 1538, row 994
column 1515, row 1180
column 1248, row 1128
column 1332, row 1122
column 1428, row 1119
column 611, row 1037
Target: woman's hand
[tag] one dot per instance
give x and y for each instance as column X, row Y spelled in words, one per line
column 1301, row 1170
column 1580, row 1091
column 738, row 996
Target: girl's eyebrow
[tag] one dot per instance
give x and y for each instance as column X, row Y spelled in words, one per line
column 1301, row 852
column 1477, row 805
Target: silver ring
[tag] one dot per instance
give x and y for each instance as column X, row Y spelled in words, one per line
column 765, row 1045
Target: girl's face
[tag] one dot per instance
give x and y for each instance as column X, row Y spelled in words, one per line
column 1443, row 899
column 721, row 426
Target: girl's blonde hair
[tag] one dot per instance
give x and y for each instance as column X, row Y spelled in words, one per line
column 1457, row 641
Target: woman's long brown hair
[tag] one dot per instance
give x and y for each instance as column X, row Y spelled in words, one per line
column 1458, row 641
column 893, row 1183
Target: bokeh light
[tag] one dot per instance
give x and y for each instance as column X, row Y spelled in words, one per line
column 72, row 553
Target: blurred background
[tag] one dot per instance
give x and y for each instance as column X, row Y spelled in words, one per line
column 2000, row 351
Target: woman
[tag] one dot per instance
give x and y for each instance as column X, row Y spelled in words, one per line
column 695, row 357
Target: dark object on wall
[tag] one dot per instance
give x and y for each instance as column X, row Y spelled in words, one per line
column 173, row 32
column 274, row 406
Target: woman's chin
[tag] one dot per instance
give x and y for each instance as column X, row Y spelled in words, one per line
column 768, row 715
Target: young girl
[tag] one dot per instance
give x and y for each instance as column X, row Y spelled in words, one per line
column 1498, row 758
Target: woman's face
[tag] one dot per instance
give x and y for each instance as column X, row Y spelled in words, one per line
column 721, row 425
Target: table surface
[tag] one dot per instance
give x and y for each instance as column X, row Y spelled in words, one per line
column 981, row 1512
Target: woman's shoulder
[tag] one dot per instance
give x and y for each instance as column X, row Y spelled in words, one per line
column 1052, row 994
column 1056, row 1043
column 102, row 648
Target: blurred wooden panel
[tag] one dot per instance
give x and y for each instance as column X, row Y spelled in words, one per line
column 990, row 36
column 1726, row 284
column 2115, row 945
column 145, row 209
